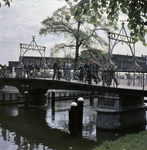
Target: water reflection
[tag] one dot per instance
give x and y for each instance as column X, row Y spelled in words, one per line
column 48, row 128
column 40, row 129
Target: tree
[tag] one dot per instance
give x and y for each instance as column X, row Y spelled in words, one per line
column 95, row 54
column 7, row 2
column 136, row 10
column 78, row 34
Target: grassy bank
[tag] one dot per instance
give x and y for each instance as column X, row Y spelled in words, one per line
column 129, row 142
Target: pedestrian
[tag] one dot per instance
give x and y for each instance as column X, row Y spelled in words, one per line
column 26, row 68
column 56, row 67
column 113, row 68
column 81, row 75
column 90, row 71
column 64, row 69
column 68, row 70
column 37, row 69
column 31, row 69
column 96, row 67
column 5, row 71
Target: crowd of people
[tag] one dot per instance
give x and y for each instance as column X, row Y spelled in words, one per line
column 66, row 70
column 31, row 69
column 89, row 69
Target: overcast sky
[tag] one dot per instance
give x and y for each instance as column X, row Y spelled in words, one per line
column 23, row 19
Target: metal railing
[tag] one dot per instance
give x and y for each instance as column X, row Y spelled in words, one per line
column 128, row 78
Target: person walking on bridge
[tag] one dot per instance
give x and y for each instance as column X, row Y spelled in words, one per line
column 113, row 69
column 96, row 67
column 56, row 67
column 37, row 69
column 64, row 72
column 27, row 71
column 81, row 68
column 68, row 70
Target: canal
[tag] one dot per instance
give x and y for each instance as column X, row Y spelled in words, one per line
column 47, row 128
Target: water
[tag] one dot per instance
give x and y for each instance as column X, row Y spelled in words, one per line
column 47, row 129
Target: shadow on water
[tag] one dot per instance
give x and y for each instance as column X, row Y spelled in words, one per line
column 39, row 128
column 48, row 128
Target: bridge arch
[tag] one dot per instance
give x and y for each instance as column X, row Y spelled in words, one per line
column 32, row 46
column 24, row 48
column 124, row 38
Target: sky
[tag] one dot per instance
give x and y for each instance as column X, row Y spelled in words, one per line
column 23, row 20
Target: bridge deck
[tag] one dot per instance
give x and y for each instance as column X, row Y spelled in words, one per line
column 45, row 84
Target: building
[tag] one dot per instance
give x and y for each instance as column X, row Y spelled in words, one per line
column 125, row 62
column 145, row 56
column 33, row 60
column 37, row 60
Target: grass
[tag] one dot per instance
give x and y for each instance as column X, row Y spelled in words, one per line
column 129, row 142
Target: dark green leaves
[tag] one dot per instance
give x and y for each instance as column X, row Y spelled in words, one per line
column 67, row 17
column 136, row 10
column 93, row 19
column 7, row 2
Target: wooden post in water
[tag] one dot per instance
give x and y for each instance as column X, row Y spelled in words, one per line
column 53, row 98
column 80, row 113
column 91, row 99
column 26, row 98
column 73, row 119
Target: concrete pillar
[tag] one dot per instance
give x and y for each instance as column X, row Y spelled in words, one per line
column 120, row 111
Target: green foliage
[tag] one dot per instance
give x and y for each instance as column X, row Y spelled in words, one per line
column 135, row 10
column 7, row 2
column 95, row 54
column 78, row 33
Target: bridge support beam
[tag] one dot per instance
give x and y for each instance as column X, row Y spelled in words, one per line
column 32, row 100
column 118, row 112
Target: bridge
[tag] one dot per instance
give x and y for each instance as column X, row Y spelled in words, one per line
column 119, row 106
column 42, row 85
